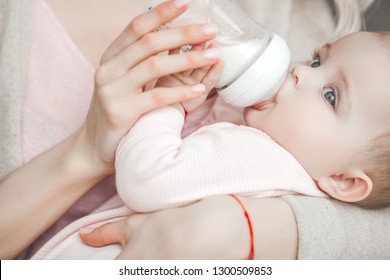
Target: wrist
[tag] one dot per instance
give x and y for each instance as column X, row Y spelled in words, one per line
column 179, row 107
column 81, row 160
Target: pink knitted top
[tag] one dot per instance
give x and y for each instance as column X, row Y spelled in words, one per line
column 156, row 168
column 59, row 88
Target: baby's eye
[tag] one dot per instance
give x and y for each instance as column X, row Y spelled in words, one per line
column 315, row 59
column 330, row 95
column 315, row 62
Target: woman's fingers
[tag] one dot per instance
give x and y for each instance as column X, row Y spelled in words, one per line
column 144, row 24
column 196, row 47
column 162, row 65
column 106, row 234
column 164, row 96
column 154, row 43
column 174, row 51
column 123, row 101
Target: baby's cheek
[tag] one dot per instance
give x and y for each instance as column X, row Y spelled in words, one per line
column 302, row 138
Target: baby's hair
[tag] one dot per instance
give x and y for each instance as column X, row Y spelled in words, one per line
column 376, row 163
column 384, row 37
column 376, row 158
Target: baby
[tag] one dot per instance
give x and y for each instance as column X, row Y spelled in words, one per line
column 326, row 132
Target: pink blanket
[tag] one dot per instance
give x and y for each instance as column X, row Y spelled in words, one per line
column 68, row 245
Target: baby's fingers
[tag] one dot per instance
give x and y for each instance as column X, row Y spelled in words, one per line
column 209, row 74
column 158, row 97
column 212, row 76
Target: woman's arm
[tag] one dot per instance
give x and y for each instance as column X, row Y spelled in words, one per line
column 213, row 228
column 34, row 196
column 37, row 194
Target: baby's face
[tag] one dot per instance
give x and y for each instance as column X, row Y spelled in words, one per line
column 330, row 108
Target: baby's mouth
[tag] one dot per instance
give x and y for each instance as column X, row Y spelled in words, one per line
column 263, row 105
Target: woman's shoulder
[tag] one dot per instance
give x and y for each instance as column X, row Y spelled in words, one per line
column 9, row 8
column 15, row 31
column 340, row 223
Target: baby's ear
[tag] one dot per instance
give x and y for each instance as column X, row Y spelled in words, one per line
column 351, row 186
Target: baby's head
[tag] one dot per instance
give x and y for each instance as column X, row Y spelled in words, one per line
column 332, row 114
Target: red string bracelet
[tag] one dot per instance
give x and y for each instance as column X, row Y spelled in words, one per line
column 252, row 249
column 185, row 113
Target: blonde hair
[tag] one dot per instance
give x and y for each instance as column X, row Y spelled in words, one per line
column 349, row 16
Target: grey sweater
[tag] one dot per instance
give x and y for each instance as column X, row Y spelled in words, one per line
column 328, row 229
column 15, row 29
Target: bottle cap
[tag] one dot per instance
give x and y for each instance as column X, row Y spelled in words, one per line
column 262, row 79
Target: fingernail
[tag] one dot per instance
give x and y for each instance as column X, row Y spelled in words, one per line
column 86, row 230
column 180, row 3
column 199, row 88
column 210, row 29
column 212, row 54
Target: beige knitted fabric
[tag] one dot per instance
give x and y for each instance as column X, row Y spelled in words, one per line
column 15, row 26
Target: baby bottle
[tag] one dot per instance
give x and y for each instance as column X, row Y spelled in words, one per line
column 255, row 59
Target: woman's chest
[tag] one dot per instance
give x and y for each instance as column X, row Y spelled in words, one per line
column 93, row 24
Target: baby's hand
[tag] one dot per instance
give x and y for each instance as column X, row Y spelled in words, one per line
column 207, row 75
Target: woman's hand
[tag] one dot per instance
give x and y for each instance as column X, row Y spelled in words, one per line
column 213, row 228
column 127, row 66
column 50, row 183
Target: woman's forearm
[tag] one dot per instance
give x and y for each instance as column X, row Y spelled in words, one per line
column 213, row 228
column 34, row 196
